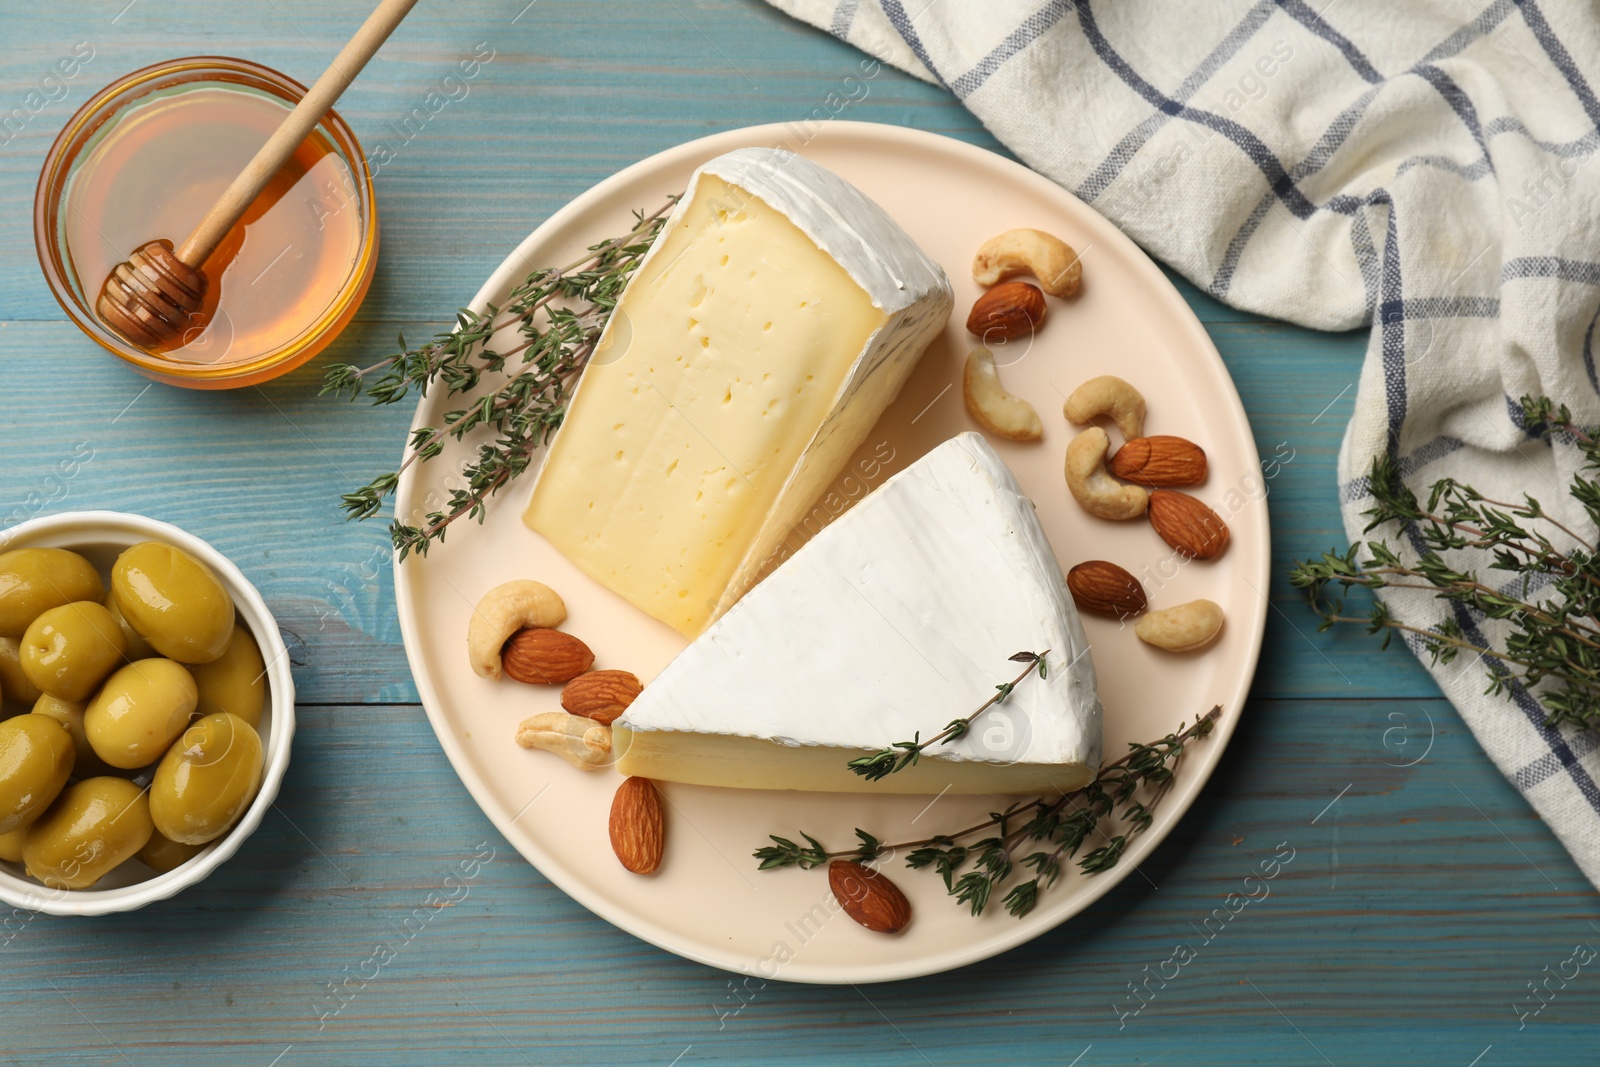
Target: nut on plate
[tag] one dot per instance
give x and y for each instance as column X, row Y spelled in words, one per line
column 997, row 410
column 1159, row 461
column 543, row 656
column 1183, row 628
column 1104, row 588
column 1100, row 494
column 869, row 897
column 638, row 825
column 601, row 695
column 582, row 742
column 1027, row 251
column 1009, row 310
column 1107, row 395
column 504, row 610
column 1187, row 524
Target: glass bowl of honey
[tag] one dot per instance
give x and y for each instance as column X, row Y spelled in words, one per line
column 147, row 156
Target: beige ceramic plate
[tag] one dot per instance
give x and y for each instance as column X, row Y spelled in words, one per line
column 708, row 902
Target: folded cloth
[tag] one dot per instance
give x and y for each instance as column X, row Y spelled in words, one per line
column 1345, row 163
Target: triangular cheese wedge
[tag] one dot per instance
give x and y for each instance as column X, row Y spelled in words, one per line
column 775, row 319
column 899, row 617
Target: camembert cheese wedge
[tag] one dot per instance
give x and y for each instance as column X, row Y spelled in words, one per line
column 775, row 318
column 899, row 617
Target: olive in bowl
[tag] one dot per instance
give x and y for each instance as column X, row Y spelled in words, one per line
column 46, row 865
column 206, row 780
column 139, row 712
column 34, row 579
column 69, row 650
column 173, row 601
column 36, row 756
column 93, row 827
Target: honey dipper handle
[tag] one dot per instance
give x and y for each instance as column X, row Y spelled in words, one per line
column 287, row 137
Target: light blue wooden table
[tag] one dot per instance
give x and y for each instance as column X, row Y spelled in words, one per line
column 1422, row 901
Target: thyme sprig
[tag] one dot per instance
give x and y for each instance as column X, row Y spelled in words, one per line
column 973, row 871
column 558, row 314
column 1553, row 603
column 903, row 754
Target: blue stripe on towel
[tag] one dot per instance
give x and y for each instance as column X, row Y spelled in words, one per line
column 1550, row 764
column 1126, row 148
column 1311, row 20
column 1031, row 29
column 1360, row 487
column 844, row 16
column 1588, row 352
column 1246, row 141
column 1567, row 270
column 901, row 22
column 1561, row 58
column 1459, row 103
column 1391, row 322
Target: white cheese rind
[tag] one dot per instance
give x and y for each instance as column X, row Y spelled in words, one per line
column 894, row 620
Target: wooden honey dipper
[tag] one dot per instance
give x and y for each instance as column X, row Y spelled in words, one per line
column 158, row 294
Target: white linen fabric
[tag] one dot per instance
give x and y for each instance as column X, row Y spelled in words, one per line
column 1339, row 164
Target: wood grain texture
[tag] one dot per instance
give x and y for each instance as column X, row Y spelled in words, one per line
column 1419, row 903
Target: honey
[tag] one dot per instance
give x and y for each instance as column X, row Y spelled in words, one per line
column 157, row 170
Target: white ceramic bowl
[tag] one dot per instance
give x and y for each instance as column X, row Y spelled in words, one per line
column 101, row 536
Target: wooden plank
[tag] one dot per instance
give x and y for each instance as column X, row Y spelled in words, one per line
column 1412, row 897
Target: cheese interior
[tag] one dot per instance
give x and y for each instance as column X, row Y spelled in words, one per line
column 726, row 355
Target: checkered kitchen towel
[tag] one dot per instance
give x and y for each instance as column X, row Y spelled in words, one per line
column 1417, row 167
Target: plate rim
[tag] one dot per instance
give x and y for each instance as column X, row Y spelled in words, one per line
column 517, row 263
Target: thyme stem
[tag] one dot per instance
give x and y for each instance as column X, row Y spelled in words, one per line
column 559, row 314
column 973, row 872
column 1549, row 646
column 903, row 754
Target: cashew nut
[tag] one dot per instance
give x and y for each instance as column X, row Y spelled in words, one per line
column 503, row 611
column 1098, row 492
column 996, row 410
column 582, row 742
column 1045, row 256
column 1108, row 395
column 1183, row 628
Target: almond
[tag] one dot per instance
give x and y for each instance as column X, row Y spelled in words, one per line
column 600, row 695
column 1159, row 461
column 1106, row 589
column 1187, row 524
column 869, row 897
column 638, row 825
column 540, row 656
column 1010, row 309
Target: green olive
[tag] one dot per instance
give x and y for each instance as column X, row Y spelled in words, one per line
column 136, row 647
column 160, row 854
column 97, row 823
column 139, row 712
column 207, row 780
column 68, row 651
column 11, row 845
column 236, row 683
column 34, row 580
column 173, row 601
column 35, row 760
column 14, row 683
column 69, row 713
